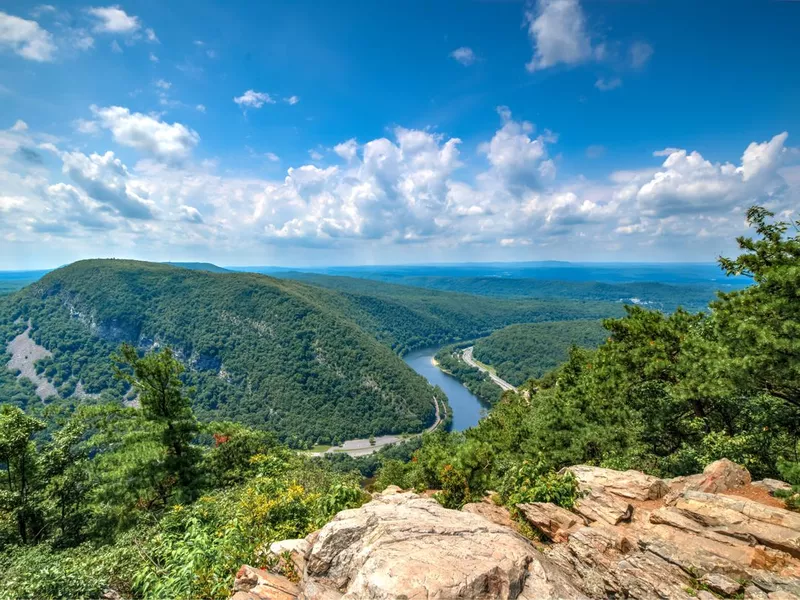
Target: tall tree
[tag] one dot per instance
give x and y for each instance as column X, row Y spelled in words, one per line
column 156, row 379
column 19, row 460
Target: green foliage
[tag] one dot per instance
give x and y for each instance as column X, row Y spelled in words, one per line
column 271, row 354
column 407, row 318
column 529, row 350
column 20, row 463
column 155, row 379
column 110, row 496
column 528, row 481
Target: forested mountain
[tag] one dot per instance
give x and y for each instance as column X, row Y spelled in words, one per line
column 660, row 296
column 270, row 353
column 199, row 266
column 529, row 350
column 407, row 317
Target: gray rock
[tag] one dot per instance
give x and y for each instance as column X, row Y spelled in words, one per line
column 720, row 584
column 404, row 546
column 753, row 592
column 772, row 485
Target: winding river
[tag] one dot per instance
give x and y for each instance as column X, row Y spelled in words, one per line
column 465, row 406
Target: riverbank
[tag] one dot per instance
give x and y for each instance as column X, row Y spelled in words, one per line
column 465, row 408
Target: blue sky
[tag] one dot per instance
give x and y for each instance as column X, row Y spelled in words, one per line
column 298, row 133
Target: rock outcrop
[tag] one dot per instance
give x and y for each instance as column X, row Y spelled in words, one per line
column 629, row 536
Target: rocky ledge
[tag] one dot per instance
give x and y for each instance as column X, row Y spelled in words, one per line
column 630, row 535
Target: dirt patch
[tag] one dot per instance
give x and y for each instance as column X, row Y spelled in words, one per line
column 756, row 494
column 24, row 353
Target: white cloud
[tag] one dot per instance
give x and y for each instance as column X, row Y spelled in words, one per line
column 557, row 30
column 26, row 38
column 292, row 100
column 409, row 188
column 112, row 19
column 19, row 125
column 640, row 53
column 271, row 156
column 162, row 84
column 315, row 155
column 148, row 134
column 606, row 85
column 115, row 47
column 253, row 99
column 105, row 179
column 151, row 36
column 347, row 150
column 516, row 156
column 200, row 108
column 86, row 126
column 464, row 55
column 153, row 58
column 190, row 214
column 42, row 9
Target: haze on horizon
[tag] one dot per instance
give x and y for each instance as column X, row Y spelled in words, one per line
column 408, row 134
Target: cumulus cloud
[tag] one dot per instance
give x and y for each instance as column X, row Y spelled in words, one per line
column 409, row 188
column 112, row 19
column 517, row 157
column 557, row 31
column 464, row 55
column 347, row 150
column 26, row 38
column 292, row 100
column 105, row 179
column 147, row 134
column 253, row 99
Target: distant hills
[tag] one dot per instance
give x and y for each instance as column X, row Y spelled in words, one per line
column 315, row 359
column 261, row 351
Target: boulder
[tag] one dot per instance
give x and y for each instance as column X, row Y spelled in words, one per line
column 258, row 584
column 553, row 521
column 633, row 485
column 772, row 485
column 401, row 545
column 404, row 546
column 719, row 476
column 773, row 527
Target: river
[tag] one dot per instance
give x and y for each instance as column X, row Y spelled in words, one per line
column 465, row 406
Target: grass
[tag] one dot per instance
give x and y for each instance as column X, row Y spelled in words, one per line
column 320, row 448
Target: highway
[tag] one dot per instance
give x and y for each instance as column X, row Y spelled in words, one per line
column 466, row 355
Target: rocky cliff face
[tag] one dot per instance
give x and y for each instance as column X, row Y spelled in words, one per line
column 630, row 536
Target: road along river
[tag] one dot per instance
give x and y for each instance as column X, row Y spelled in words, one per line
column 466, row 407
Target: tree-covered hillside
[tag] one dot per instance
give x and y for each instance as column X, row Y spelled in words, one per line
column 529, row 350
column 667, row 394
column 261, row 351
column 406, row 317
column 651, row 294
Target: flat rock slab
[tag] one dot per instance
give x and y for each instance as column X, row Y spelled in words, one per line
column 633, row 485
column 404, row 546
